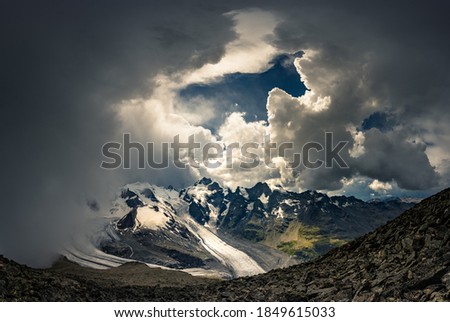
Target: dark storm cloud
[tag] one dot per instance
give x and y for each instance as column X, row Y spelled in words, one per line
column 389, row 156
column 64, row 64
column 392, row 54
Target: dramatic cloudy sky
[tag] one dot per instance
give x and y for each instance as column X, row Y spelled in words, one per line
column 77, row 74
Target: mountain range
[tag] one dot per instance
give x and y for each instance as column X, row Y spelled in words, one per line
column 209, row 230
column 407, row 259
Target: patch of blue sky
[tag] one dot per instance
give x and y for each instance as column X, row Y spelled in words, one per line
column 247, row 92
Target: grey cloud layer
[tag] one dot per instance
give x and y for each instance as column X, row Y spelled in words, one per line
column 376, row 57
column 66, row 65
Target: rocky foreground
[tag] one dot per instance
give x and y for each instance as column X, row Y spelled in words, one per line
column 408, row 259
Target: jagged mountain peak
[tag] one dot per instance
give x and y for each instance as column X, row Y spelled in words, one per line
column 162, row 225
column 204, row 181
column 314, row 193
column 258, row 190
column 408, row 259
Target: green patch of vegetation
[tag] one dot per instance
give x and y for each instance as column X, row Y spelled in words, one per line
column 253, row 234
column 305, row 241
column 288, row 247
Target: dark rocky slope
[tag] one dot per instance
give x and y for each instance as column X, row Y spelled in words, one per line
column 67, row 281
column 273, row 226
column 408, row 259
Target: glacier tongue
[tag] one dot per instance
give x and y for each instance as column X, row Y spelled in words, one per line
column 154, row 214
column 239, row 262
column 209, row 230
column 84, row 250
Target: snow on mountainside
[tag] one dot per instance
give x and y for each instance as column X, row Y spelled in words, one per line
column 408, row 259
column 168, row 235
column 207, row 229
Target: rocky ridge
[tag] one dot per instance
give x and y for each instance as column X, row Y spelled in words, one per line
column 408, row 259
column 274, row 227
